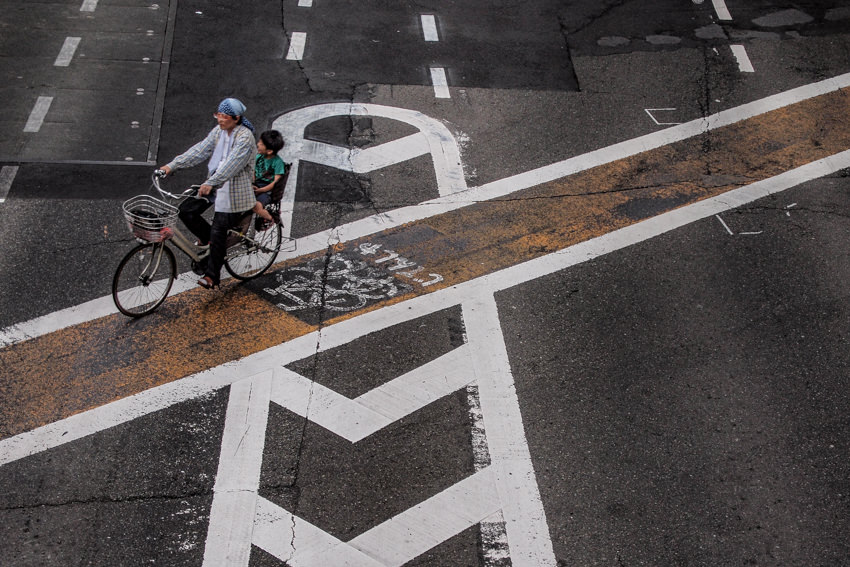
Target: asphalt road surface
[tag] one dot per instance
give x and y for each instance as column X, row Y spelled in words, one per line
column 566, row 285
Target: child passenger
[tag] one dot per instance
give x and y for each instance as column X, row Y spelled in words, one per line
column 268, row 169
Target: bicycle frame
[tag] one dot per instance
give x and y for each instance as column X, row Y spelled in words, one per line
column 145, row 274
column 181, row 241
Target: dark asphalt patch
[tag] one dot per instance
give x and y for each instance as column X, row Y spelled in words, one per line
column 135, row 494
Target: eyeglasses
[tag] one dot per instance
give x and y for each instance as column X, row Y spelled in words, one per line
column 222, row 115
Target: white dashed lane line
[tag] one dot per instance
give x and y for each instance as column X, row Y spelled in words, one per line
column 88, row 6
column 39, row 111
column 67, row 52
column 722, row 11
column 744, row 64
column 7, row 175
column 429, row 27
column 438, row 74
column 441, row 85
column 296, row 46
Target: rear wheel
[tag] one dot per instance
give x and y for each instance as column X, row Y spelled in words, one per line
column 251, row 257
column 143, row 279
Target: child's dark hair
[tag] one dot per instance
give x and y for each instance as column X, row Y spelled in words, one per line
column 272, row 139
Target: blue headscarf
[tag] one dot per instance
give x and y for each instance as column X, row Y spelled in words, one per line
column 234, row 107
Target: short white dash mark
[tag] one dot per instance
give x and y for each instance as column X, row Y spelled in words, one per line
column 7, row 175
column 429, row 28
column 441, row 85
column 67, row 52
column 722, row 10
column 39, row 111
column 296, row 46
column 743, row 61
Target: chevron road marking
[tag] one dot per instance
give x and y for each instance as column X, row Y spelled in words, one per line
column 240, row 517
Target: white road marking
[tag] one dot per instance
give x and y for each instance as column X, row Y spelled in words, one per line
column 525, row 520
column 67, row 52
column 39, row 111
column 482, row 321
column 429, row 27
column 441, row 85
column 740, row 54
column 726, row 226
column 103, row 306
column 722, row 11
column 296, row 46
column 235, row 491
column 508, row 484
column 7, row 176
column 305, row 3
column 651, row 110
column 356, row 419
column 126, row 409
column 88, row 6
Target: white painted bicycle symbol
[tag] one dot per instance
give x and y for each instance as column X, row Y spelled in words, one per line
column 343, row 284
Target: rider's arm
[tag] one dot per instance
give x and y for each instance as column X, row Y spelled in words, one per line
column 196, row 154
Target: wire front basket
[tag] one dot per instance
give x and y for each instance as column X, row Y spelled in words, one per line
column 149, row 218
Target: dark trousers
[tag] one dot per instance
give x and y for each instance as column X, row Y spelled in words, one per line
column 222, row 222
column 190, row 212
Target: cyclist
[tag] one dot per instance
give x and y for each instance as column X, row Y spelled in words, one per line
column 230, row 147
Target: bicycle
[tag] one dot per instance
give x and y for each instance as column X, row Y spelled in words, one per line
column 146, row 273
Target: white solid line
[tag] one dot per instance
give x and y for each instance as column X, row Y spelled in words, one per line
column 88, row 6
column 722, row 11
column 429, row 28
column 7, row 176
column 441, row 85
column 729, row 230
column 296, row 46
column 740, row 54
column 39, row 111
column 235, row 491
column 525, row 519
column 67, row 52
column 104, row 306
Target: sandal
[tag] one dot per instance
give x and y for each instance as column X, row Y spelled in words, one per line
column 206, row 282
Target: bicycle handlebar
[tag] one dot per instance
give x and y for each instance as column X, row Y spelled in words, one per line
column 159, row 174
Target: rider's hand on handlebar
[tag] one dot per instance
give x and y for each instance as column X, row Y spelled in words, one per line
column 165, row 170
column 204, row 190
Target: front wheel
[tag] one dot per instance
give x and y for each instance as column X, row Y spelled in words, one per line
column 143, row 279
column 251, row 257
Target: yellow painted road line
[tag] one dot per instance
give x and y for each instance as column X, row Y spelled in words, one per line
column 128, row 408
column 82, row 367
